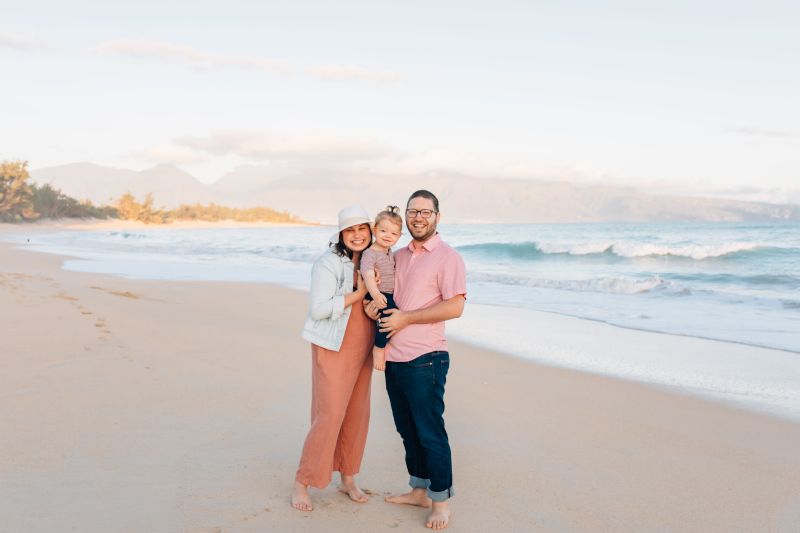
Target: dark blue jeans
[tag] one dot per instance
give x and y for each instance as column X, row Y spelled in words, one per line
column 416, row 392
column 380, row 337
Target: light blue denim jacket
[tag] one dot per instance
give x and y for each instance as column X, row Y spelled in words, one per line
column 331, row 280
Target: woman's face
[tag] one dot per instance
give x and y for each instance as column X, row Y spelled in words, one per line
column 357, row 238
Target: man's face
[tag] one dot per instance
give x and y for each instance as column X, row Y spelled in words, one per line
column 421, row 228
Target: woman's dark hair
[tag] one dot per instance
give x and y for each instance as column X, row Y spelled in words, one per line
column 343, row 251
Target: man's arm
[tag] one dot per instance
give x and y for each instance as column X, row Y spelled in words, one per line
column 444, row 310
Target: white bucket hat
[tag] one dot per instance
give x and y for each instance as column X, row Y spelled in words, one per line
column 350, row 216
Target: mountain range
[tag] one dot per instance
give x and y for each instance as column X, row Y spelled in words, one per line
column 318, row 194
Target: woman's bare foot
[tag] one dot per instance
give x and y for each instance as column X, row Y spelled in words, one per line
column 440, row 516
column 349, row 487
column 300, row 498
column 418, row 497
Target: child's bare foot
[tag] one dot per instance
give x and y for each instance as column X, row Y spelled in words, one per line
column 300, row 498
column 418, row 497
column 349, row 487
column 440, row 516
column 378, row 358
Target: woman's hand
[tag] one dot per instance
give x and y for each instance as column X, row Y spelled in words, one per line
column 361, row 287
column 357, row 295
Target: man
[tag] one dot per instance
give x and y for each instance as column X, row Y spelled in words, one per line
column 430, row 287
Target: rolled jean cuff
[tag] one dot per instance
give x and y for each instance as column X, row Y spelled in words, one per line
column 440, row 496
column 419, row 483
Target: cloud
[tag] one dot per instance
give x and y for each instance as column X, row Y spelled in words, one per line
column 8, row 40
column 194, row 58
column 458, row 161
column 262, row 146
column 760, row 132
column 367, row 155
column 165, row 51
column 353, row 72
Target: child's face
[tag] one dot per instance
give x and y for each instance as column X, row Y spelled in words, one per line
column 387, row 233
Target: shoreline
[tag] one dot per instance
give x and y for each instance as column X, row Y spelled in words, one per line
column 117, row 224
column 134, row 405
column 653, row 362
column 679, row 364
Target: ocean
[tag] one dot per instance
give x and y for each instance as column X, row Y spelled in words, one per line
column 733, row 282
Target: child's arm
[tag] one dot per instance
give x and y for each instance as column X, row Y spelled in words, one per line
column 372, row 288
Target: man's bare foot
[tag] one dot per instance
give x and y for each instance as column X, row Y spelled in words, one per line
column 418, row 497
column 349, row 487
column 300, row 498
column 440, row 516
column 378, row 358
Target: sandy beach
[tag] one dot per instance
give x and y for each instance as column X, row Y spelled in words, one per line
column 154, row 406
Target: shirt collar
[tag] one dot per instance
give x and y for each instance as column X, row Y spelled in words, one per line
column 429, row 245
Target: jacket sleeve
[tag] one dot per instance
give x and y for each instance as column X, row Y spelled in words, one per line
column 325, row 303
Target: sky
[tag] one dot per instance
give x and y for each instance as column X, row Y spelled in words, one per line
column 692, row 97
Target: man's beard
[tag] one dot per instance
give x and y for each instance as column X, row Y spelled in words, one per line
column 430, row 230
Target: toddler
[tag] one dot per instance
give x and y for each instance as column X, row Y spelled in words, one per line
column 387, row 230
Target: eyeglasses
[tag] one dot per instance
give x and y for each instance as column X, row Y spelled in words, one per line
column 424, row 213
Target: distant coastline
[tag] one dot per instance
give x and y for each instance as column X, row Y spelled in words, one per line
column 317, row 193
column 23, row 201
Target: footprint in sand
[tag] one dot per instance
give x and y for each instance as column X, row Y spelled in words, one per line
column 253, row 515
column 124, row 294
column 101, row 323
column 64, row 296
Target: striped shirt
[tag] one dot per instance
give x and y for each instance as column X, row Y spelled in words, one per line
column 384, row 261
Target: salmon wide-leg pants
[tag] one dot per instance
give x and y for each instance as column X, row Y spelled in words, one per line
column 340, row 395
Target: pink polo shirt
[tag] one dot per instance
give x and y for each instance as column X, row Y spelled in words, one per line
column 424, row 278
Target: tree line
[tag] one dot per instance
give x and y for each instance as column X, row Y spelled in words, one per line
column 21, row 201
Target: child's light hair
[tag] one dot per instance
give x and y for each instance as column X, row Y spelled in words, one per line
column 392, row 213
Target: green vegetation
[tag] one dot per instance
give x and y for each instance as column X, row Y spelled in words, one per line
column 214, row 213
column 16, row 195
column 49, row 202
column 129, row 209
column 21, row 201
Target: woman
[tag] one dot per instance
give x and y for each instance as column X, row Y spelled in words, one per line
column 341, row 366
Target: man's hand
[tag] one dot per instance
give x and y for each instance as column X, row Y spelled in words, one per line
column 394, row 322
column 371, row 309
